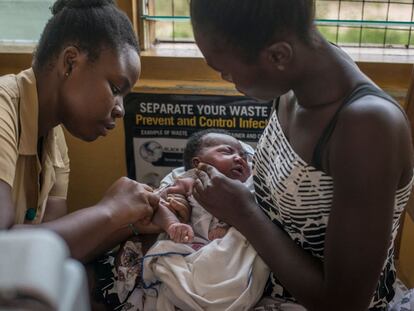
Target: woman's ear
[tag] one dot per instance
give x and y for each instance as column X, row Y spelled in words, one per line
column 279, row 55
column 70, row 58
column 195, row 161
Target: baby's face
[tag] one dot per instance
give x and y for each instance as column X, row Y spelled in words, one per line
column 226, row 154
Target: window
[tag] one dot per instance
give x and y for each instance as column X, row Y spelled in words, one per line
column 360, row 23
column 22, row 21
column 368, row 23
column 166, row 21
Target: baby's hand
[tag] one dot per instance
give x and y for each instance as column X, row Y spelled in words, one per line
column 181, row 233
column 217, row 233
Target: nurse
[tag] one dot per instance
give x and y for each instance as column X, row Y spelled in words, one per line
column 86, row 61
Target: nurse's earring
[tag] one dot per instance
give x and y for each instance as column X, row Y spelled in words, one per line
column 67, row 73
column 275, row 61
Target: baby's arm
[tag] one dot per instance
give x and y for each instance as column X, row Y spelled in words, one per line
column 182, row 185
column 168, row 221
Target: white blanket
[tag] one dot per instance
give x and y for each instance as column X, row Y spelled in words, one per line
column 226, row 274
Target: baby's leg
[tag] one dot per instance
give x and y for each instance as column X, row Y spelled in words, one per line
column 217, row 232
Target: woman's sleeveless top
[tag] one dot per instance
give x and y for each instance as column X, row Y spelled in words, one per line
column 297, row 197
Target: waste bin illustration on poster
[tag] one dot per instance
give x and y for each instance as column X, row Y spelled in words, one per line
column 157, row 127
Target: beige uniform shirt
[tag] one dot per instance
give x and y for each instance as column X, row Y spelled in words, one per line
column 32, row 179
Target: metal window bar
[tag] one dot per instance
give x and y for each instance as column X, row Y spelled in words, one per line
column 173, row 24
column 390, row 29
column 337, row 26
column 386, row 28
column 362, row 18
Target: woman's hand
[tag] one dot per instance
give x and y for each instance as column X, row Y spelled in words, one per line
column 180, row 206
column 130, row 202
column 221, row 196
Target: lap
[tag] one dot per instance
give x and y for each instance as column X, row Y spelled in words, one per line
column 273, row 304
column 117, row 280
column 117, row 274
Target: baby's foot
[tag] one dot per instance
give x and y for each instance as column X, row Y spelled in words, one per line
column 217, row 233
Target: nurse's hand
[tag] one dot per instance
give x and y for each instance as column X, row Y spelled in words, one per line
column 227, row 199
column 180, row 206
column 128, row 201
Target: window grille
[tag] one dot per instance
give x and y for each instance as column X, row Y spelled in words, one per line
column 367, row 23
column 357, row 23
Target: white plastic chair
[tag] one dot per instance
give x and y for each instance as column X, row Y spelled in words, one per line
column 36, row 273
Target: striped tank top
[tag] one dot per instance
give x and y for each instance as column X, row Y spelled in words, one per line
column 297, row 197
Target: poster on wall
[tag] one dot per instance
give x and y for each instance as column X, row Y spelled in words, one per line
column 157, row 127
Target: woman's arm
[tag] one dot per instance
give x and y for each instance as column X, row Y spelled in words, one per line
column 55, row 208
column 101, row 226
column 366, row 159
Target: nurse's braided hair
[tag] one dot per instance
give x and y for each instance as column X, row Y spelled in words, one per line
column 90, row 25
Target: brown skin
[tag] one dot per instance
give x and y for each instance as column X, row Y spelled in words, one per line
column 167, row 221
column 86, row 97
column 56, row 208
column 86, row 114
column 226, row 154
column 366, row 169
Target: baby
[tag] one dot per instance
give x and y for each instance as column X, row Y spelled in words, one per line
column 184, row 274
column 219, row 149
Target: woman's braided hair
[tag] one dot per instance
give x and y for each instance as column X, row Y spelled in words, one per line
column 90, row 25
